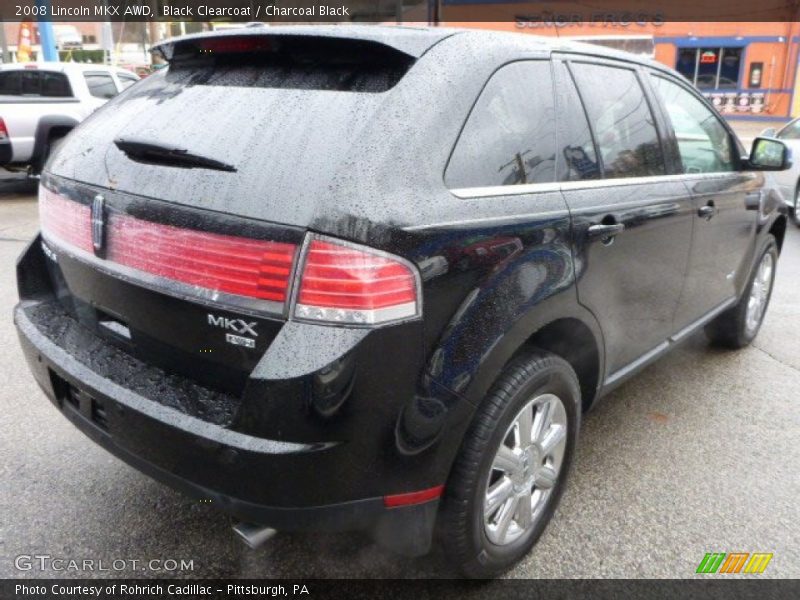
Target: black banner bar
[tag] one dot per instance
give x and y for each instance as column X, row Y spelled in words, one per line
column 707, row 587
column 552, row 13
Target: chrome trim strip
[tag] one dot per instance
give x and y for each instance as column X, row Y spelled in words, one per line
column 632, row 366
column 540, row 188
column 503, row 218
column 694, row 325
column 668, row 343
column 212, row 298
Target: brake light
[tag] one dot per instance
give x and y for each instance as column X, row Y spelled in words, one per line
column 3, row 131
column 224, row 263
column 346, row 283
column 338, row 283
column 234, row 45
column 65, row 219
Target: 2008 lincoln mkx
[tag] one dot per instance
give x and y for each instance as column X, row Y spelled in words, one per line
column 369, row 278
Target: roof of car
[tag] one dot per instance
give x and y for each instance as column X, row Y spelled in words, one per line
column 415, row 41
column 61, row 67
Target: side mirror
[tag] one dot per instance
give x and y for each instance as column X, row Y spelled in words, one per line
column 768, row 154
column 768, row 132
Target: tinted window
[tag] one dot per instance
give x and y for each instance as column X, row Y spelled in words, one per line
column 509, row 138
column 790, row 132
column 101, row 85
column 126, row 81
column 703, row 142
column 623, row 125
column 34, row 83
column 576, row 153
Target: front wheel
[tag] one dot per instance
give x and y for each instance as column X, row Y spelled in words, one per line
column 739, row 325
column 795, row 212
column 511, row 469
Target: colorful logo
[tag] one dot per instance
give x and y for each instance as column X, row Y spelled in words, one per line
column 734, row 562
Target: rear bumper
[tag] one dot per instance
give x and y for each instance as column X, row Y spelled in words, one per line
column 208, row 461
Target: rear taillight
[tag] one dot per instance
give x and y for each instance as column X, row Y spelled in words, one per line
column 224, row 263
column 338, row 283
column 3, row 131
column 346, row 283
column 65, row 219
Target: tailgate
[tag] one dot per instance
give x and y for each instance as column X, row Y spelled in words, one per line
column 188, row 290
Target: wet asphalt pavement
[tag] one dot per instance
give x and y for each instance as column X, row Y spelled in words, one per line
column 698, row 453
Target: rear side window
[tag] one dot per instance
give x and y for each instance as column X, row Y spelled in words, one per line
column 509, row 137
column 703, row 142
column 623, row 124
column 577, row 159
column 34, row 83
column 101, row 85
column 126, row 81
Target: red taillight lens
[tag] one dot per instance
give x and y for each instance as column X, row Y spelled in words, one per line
column 227, row 265
column 3, row 131
column 345, row 283
column 224, row 263
column 234, row 45
column 65, row 219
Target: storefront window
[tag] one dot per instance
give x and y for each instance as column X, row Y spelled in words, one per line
column 710, row 68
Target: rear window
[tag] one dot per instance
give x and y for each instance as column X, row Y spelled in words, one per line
column 101, row 85
column 34, row 83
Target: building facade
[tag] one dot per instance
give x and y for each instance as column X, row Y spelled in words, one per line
column 749, row 70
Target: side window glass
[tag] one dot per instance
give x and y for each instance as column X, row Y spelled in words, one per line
column 509, row 137
column 100, row 85
column 577, row 159
column 790, row 132
column 623, row 125
column 703, row 142
column 126, row 81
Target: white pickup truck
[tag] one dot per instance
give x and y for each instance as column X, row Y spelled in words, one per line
column 41, row 103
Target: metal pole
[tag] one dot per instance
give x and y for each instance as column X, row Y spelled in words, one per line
column 47, row 40
column 5, row 56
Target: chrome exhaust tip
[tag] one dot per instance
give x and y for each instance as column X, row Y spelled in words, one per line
column 254, row 535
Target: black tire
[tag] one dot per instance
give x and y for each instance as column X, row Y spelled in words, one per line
column 461, row 524
column 730, row 328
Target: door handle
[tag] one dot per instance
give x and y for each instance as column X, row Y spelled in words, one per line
column 605, row 232
column 708, row 211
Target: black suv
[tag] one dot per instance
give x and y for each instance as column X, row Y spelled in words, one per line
column 369, row 278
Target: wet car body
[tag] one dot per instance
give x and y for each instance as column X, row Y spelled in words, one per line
column 330, row 426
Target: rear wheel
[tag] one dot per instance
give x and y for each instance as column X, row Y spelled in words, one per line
column 510, row 472
column 739, row 325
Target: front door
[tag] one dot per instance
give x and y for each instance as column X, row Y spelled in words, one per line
column 725, row 201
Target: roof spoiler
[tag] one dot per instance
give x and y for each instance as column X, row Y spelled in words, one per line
column 367, row 44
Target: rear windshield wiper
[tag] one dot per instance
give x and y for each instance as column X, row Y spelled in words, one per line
column 152, row 153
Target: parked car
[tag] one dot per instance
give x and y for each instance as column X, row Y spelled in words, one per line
column 789, row 181
column 42, row 103
column 259, row 309
column 68, row 37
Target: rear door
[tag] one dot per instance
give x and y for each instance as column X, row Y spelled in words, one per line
column 724, row 226
column 632, row 218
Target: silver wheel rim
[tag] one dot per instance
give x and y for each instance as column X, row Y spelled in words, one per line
column 759, row 293
column 525, row 469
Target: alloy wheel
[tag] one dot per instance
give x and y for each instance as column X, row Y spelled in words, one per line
column 759, row 293
column 525, row 469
